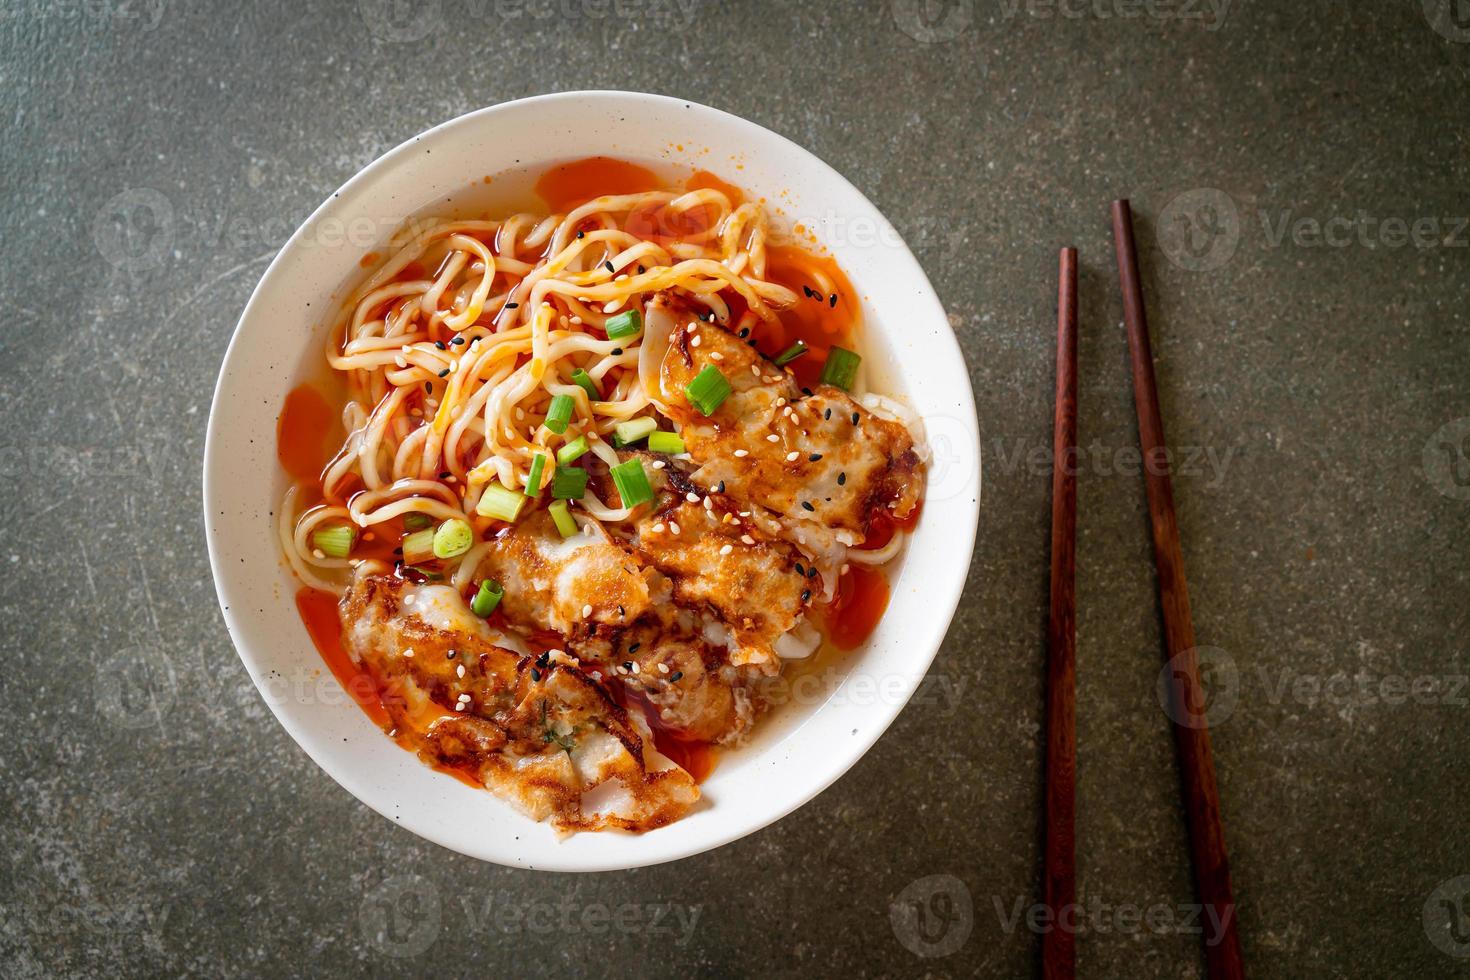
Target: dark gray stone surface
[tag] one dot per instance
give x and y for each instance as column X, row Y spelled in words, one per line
column 154, row 819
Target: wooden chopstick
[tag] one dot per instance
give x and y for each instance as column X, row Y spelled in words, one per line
column 1196, row 760
column 1059, row 889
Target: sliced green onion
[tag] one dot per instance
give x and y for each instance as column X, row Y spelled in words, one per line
column 665, row 442
column 453, row 538
column 841, row 368
column 418, row 547
column 572, row 451
column 632, row 483
column 489, row 596
column 335, row 540
column 708, row 390
column 563, row 518
column 625, row 324
column 584, row 380
column 500, row 503
column 629, row 432
column 791, row 353
column 569, row 483
column 533, row 481
column 560, row 413
column 414, row 521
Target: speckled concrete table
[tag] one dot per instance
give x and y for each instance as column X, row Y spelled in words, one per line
column 1300, row 172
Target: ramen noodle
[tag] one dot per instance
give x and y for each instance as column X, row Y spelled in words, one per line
column 585, row 482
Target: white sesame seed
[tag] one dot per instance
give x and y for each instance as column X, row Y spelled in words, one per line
column 586, row 611
column 708, row 504
column 459, row 707
column 408, row 653
column 741, row 453
column 746, row 539
column 577, row 320
column 773, row 438
column 744, row 513
column 694, row 342
column 658, row 464
column 318, row 554
column 674, row 526
column 459, row 671
column 464, row 697
column 791, row 457
column 727, row 549
column 409, row 599
column 843, row 570
column 715, row 355
column 621, row 278
column 635, row 666
column 400, row 362
column 692, row 497
column 691, row 328
column 658, row 528
column 663, row 668
column 780, row 402
column 755, row 370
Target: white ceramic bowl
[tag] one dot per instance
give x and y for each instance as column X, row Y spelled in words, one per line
column 805, row 746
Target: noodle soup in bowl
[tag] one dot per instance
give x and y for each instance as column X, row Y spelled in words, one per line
column 612, row 455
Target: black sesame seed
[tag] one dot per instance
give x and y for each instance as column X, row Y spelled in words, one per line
column 609, row 267
column 622, row 611
column 450, row 654
column 676, row 675
column 827, row 414
column 634, row 648
column 444, row 474
column 429, row 386
column 535, row 674
column 806, row 596
column 511, row 306
column 807, row 291
column 460, row 340
column 641, row 269
column 854, row 418
column 814, row 457
column 807, row 392
column 581, row 234
column 440, row 344
column 841, row 479
column 807, row 505
column 744, row 332
column 799, row 569
column 811, row 573
column 617, row 351
column 720, row 487
column 444, row 373
column 627, row 665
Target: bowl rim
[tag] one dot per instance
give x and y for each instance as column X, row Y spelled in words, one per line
column 942, row 597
